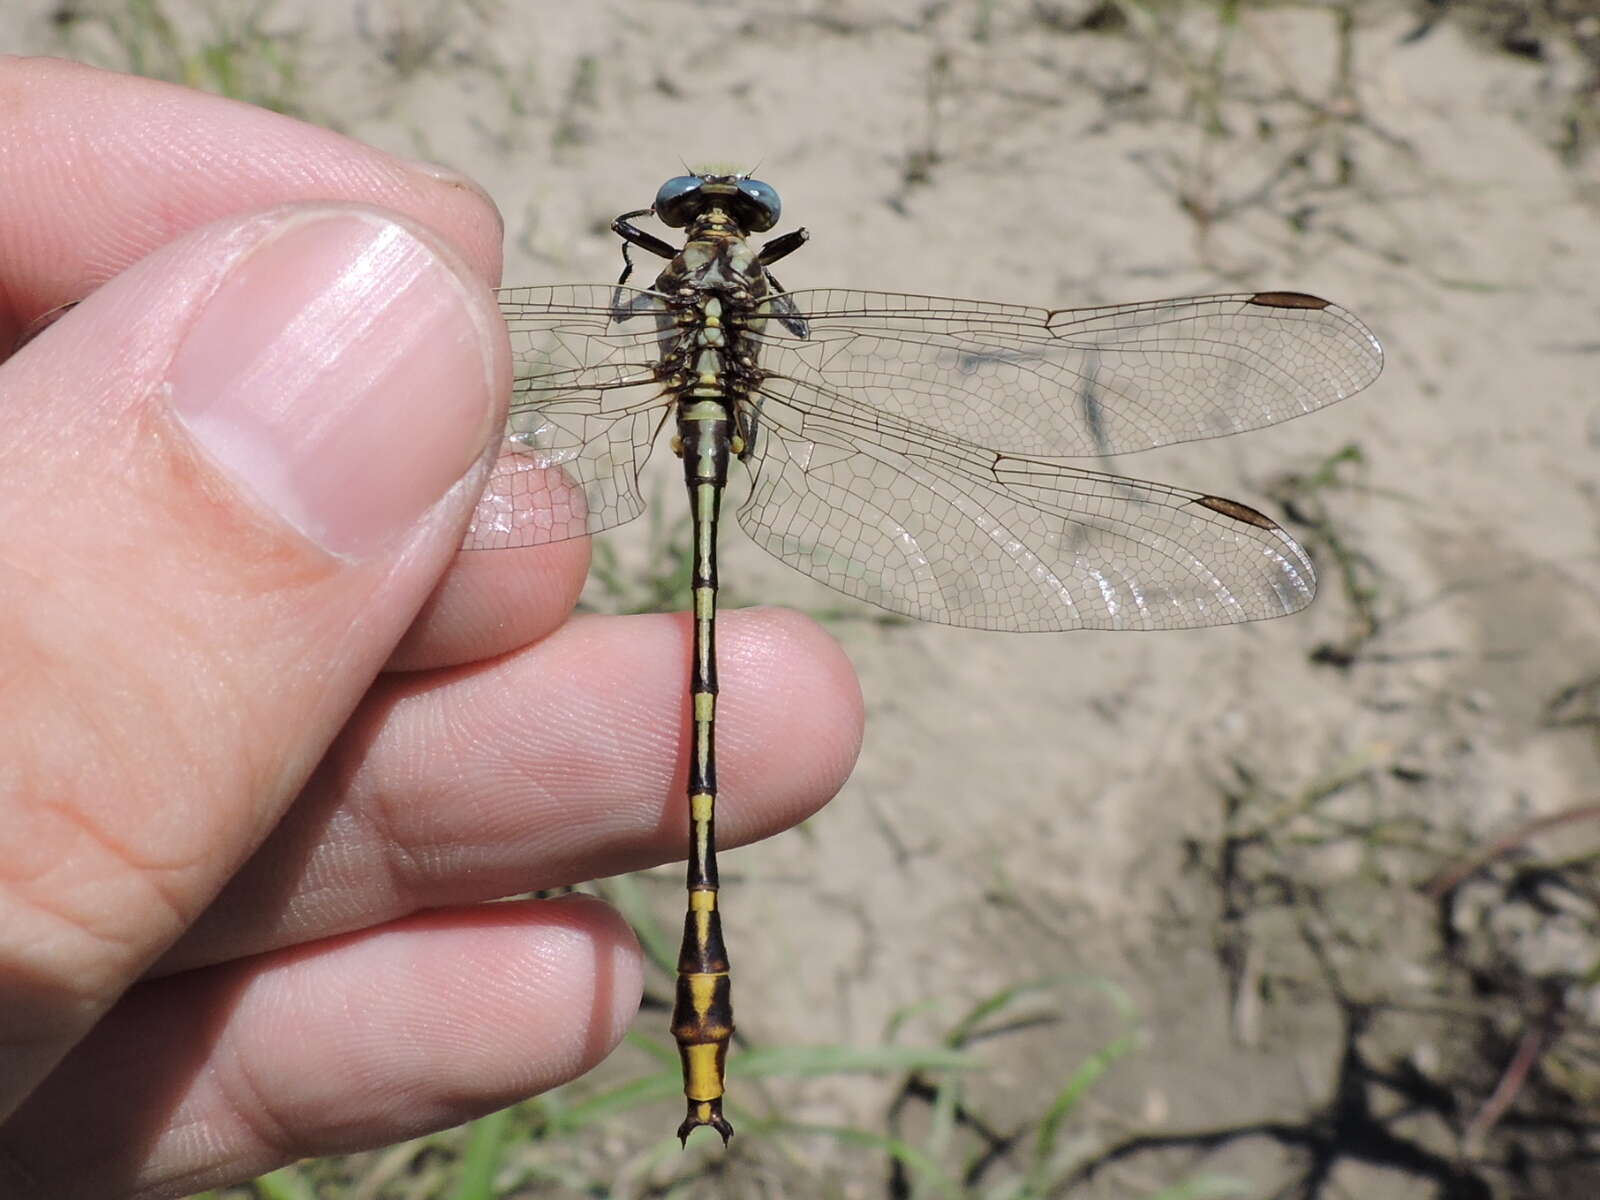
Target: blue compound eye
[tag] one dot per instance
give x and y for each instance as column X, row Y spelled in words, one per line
column 678, row 200
column 764, row 204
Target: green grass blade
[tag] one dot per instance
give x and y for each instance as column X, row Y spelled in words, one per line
column 1066, row 1101
column 968, row 1027
column 647, row 1089
column 484, row 1156
column 663, row 1053
column 806, row 1061
column 787, row 1061
column 286, row 1183
column 660, row 946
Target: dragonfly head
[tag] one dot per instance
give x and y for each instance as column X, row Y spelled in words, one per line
column 753, row 204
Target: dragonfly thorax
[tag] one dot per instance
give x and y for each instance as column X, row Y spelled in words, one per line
column 716, row 261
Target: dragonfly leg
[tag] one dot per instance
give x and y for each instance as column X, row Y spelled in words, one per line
column 783, row 308
column 624, row 228
column 747, row 419
column 782, row 247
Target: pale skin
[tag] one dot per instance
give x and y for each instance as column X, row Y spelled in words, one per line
column 255, row 781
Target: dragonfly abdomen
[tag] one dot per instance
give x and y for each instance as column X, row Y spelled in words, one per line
column 702, row 1015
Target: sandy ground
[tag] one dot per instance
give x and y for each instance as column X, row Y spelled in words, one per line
column 1227, row 827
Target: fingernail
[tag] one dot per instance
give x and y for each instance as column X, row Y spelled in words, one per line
column 343, row 374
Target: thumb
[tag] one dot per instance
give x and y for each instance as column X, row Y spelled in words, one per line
column 231, row 477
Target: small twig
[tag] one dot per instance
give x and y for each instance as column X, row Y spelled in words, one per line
column 1444, row 883
column 1531, row 1045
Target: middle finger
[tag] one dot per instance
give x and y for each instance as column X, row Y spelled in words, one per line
column 557, row 764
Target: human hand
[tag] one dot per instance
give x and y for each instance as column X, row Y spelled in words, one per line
column 240, row 859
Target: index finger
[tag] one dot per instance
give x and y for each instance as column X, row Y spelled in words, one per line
column 101, row 169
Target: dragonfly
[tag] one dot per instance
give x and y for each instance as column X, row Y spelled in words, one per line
column 910, row 451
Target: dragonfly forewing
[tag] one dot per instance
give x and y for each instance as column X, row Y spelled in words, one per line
column 1081, row 382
